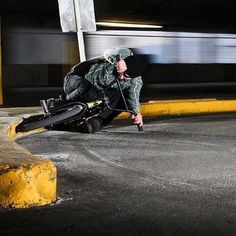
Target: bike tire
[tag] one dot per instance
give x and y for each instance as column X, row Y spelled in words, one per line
column 43, row 121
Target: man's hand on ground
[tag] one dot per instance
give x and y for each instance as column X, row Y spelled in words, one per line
column 138, row 119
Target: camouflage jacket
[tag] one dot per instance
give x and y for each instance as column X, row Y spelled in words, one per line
column 102, row 74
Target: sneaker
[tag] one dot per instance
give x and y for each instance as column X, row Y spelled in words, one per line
column 91, row 126
column 97, row 123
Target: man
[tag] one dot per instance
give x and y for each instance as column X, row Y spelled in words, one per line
column 86, row 80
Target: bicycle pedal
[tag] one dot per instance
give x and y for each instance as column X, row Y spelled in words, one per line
column 44, row 106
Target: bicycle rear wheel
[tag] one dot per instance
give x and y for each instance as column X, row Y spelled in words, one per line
column 41, row 121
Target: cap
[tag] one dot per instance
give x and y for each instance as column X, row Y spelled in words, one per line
column 110, row 54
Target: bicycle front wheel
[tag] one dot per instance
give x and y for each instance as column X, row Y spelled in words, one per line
column 41, row 121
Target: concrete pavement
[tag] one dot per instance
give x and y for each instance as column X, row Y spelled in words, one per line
column 35, row 184
column 176, row 178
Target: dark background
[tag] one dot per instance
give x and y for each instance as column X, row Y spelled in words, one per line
column 182, row 15
column 43, row 80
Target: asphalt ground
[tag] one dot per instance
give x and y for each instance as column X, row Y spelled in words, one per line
column 178, row 177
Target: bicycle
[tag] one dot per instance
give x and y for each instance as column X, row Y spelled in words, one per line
column 71, row 112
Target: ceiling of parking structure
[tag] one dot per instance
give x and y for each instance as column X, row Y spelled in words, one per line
column 28, row 7
column 181, row 15
column 207, row 15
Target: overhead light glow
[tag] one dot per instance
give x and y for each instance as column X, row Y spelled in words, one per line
column 127, row 25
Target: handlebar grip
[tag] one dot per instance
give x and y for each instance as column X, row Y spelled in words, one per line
column 118, row 57
column 140, row 128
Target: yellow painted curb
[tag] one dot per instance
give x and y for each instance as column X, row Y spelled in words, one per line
column 184, row 107
column 11, row 131
column 25, row 180
column 27, row 185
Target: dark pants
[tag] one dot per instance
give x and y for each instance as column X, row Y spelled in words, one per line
column 79, row 89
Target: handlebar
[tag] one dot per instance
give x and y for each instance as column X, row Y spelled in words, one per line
column 140, row 127
column 118, row 58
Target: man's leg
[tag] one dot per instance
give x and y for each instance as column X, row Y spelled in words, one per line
column 96, row 123
column 107, row 115
column 76, row 88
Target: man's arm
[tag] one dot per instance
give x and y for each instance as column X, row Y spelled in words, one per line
column 133, row 96
column 133, row 92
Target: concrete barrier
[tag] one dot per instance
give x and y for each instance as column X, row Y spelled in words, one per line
column 25, row 180
column 184, row 107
